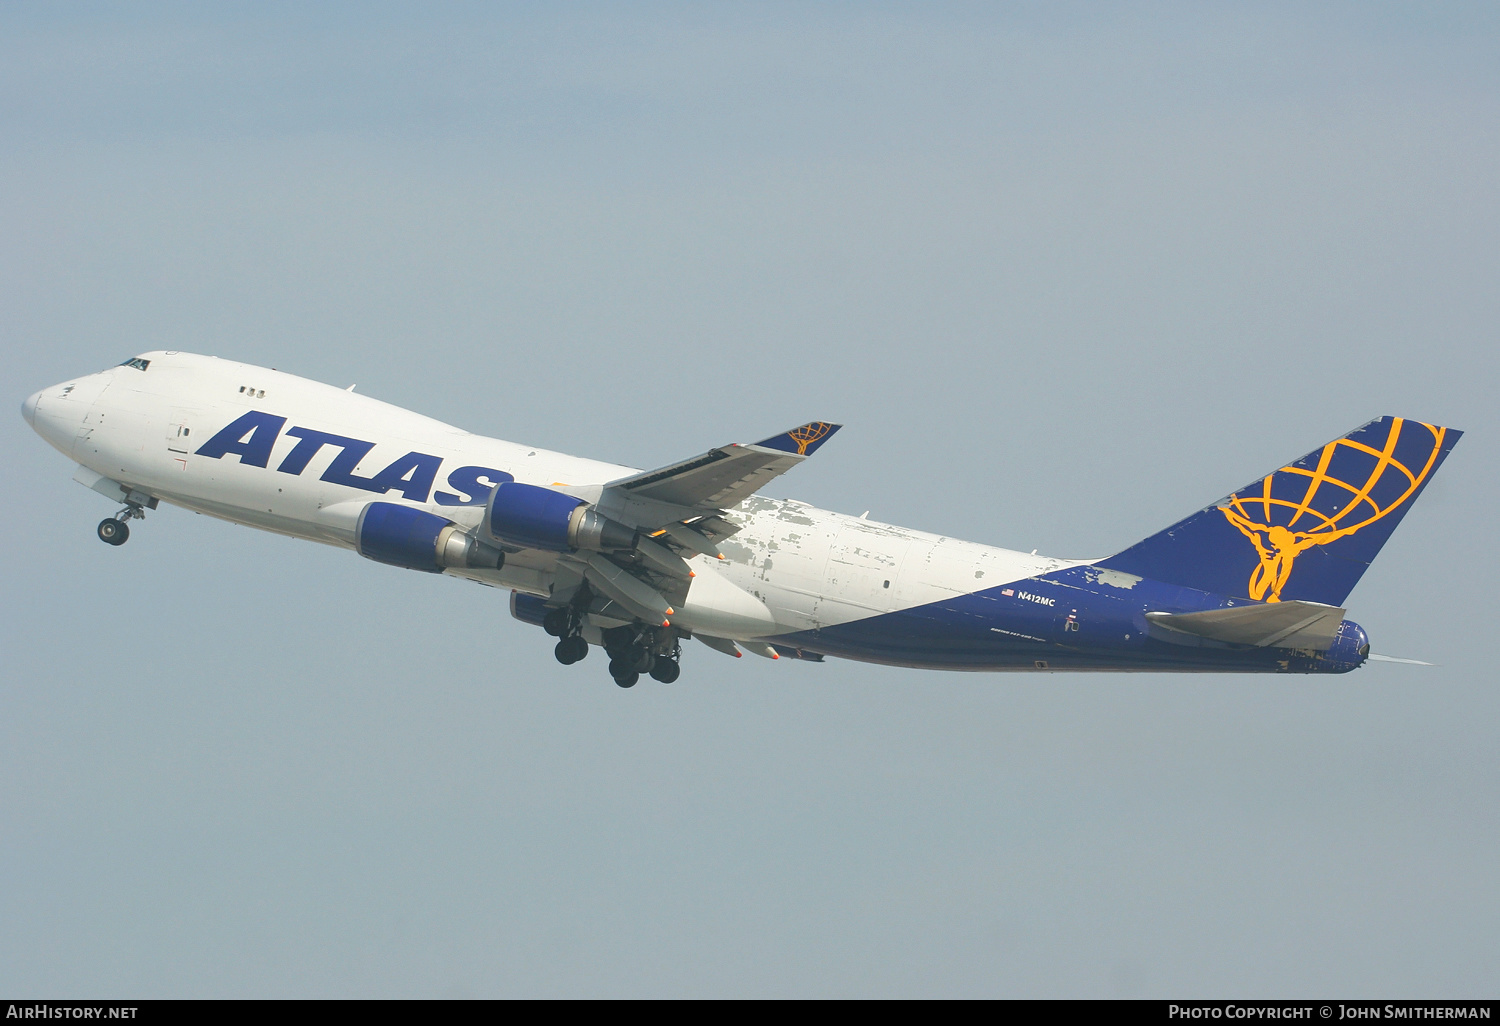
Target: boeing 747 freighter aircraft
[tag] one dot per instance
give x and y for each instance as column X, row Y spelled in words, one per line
column 636, row 562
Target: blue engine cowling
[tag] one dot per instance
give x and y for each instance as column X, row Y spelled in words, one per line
column 418, row 540
column 531, row 517
column 528, row 608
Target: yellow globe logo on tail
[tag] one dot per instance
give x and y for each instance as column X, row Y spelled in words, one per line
column 807, row 434
column 1299, row 506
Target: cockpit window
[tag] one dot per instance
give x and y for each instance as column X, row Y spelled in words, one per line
column 137, row 363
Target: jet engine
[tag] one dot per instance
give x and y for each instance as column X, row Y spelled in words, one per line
column 413, row 538
column 531, row 517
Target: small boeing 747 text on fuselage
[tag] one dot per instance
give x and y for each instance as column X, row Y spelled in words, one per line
column 635, row 562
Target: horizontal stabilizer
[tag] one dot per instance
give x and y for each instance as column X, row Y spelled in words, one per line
column 1290, row 624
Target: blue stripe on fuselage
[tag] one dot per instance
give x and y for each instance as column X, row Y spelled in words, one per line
column 1081, row 618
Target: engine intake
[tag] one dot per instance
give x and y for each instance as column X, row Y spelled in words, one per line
column 418, row 540
column 531, row 517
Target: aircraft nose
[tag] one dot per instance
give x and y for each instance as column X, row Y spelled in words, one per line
column 28, row 408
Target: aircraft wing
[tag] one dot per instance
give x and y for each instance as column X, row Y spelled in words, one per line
column 1289, row 624
column 724, row 477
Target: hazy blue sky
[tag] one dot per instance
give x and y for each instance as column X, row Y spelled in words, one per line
column 1066, row 272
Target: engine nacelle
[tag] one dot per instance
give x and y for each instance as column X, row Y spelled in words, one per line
column 531, row 517
column 528, row 608
column 418, row 540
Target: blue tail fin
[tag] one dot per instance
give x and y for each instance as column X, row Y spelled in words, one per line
column 1306, row 531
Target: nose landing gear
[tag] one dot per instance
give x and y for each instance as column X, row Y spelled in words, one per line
column 115, row 530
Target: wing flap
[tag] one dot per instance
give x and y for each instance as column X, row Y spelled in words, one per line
column 1290, row 624
column 724, row 645
column 628, row 590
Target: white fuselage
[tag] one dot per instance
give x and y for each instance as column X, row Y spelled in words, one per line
column 790, row 567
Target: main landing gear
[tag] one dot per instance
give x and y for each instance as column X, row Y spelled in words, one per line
column 115, row 530
column 632, row 650
column 565, row 625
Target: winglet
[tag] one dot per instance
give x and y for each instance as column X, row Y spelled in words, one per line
column 802, row 441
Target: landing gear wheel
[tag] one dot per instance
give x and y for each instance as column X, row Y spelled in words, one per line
column 114, row 532
column 564, row 652
column 666, row 671
column 555, row 623
column 628, row 680
column 641, row 661
column 577, row 647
